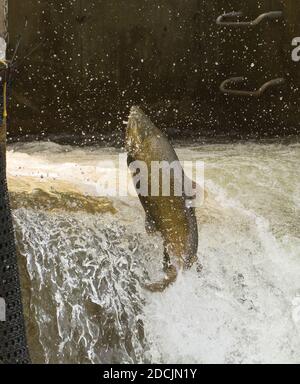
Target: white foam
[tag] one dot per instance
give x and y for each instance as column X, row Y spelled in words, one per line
column 243, row 307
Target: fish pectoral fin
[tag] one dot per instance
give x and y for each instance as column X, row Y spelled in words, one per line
column 190, row 261
column 199, row 267
column 161, row 286
column 150, row 225
column 198, row 188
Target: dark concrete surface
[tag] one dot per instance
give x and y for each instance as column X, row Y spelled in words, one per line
column 3, row 18
column 98, row 58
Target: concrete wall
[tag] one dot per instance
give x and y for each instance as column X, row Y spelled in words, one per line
column 3, row 16
column 3, row 27
column 100, row 57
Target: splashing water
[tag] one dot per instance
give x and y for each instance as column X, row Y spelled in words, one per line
column 83, row 270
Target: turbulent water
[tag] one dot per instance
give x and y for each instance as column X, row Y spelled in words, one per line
column 82, row 267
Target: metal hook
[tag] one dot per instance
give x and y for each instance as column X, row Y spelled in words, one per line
column 259, row 19
column 258, row 93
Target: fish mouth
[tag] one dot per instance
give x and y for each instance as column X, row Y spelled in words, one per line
column 133, row 118
column 135, row 111
column 132, row 129
column 136, row 117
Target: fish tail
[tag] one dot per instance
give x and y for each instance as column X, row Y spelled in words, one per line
column 161, row 286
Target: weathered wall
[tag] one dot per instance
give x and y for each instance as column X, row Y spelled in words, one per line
column 100, row 57
column 3, row 28
column 3, row 15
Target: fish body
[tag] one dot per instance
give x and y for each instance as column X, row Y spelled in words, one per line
column 170, row 215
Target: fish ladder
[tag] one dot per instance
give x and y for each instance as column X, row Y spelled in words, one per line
column 13, row 345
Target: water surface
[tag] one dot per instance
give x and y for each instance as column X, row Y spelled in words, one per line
column 83, row 258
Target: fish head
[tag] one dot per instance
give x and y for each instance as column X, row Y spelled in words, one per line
column 139, row 129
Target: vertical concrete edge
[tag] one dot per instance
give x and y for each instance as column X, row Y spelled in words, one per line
column 3, row 27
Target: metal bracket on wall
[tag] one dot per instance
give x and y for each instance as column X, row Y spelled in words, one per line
column 221, row 20
column 258, row 93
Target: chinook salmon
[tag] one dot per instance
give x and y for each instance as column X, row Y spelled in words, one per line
column 172, row 216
